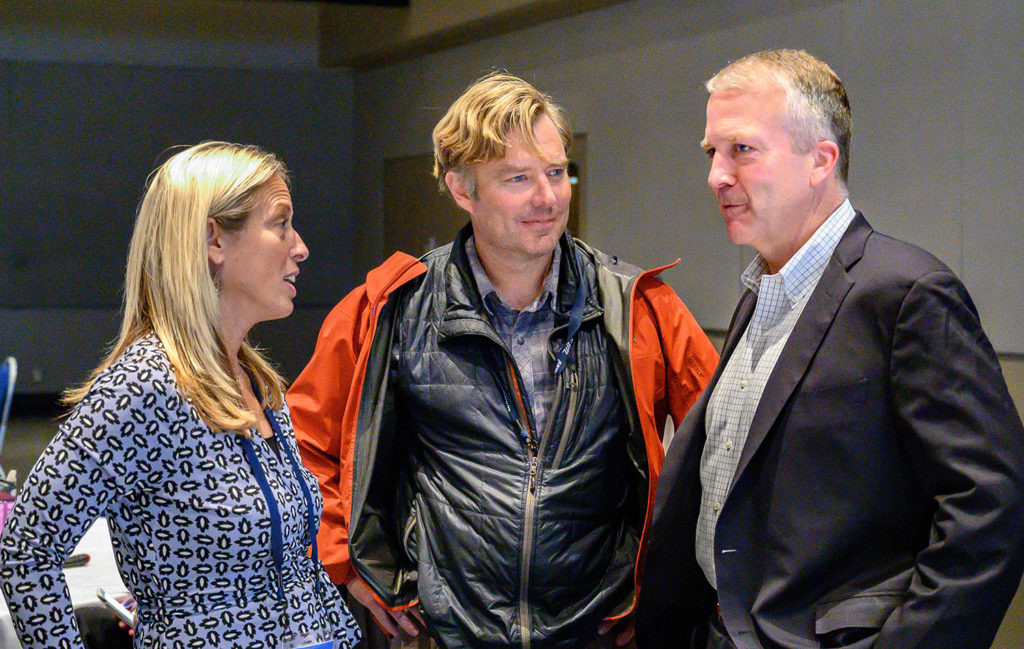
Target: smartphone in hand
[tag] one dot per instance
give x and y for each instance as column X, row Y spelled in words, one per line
column 116, row 607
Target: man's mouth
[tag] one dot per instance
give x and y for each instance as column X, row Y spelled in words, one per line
column 730, row 205
column 540, row 220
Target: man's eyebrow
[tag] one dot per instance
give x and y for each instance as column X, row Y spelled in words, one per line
column 505, row 168
column 513, row 168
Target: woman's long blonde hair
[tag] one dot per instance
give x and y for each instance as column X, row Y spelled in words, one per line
column 170, row 291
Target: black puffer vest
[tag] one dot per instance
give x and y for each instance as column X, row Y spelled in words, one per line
column 509, row 536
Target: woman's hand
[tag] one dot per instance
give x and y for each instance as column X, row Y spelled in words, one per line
column 129, row 603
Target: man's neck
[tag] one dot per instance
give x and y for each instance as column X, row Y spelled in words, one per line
column 517, row 281
column 819, row 213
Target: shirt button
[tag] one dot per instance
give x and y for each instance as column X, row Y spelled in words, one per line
column 716, row 506
column 743, row 384
column 728, row 444
column 520, row 340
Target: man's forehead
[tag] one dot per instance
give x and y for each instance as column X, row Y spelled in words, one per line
column 739, row 110
column 519, row 149
column 520, row 161
column 753, row 90
column 729, row 127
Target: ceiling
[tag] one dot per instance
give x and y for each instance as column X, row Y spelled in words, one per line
column 366, row 37
column 259, row 33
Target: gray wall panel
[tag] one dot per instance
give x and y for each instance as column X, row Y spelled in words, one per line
column 993, row 159
column 79, row 141
column 934, row 88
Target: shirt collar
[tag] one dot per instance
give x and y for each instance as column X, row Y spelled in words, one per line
column 802, row 272
column 489, row 294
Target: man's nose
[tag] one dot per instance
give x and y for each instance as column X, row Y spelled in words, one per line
column 544, row 194
column 721, row 173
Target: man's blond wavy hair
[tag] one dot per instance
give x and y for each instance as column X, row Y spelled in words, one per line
column 170, row 290
column 477, row 125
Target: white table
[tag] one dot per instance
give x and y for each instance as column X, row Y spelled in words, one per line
column 100, row 572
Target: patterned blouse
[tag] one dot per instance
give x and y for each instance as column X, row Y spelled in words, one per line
column 189, row 524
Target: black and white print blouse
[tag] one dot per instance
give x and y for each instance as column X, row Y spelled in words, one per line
column 188, row 522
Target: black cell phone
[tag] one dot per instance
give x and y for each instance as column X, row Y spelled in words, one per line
column 116, row 607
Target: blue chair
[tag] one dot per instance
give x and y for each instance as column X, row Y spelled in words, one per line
column 8, row 374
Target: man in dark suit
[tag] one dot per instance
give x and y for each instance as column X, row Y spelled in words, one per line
column 852, row 476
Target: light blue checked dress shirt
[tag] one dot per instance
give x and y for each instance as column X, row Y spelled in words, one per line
column 781, row 299
column 526, row 333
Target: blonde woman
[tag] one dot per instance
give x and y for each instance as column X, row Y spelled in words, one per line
column 181, row 436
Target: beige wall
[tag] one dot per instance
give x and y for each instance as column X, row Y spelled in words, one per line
column 1013, row 370
column 1011, row 634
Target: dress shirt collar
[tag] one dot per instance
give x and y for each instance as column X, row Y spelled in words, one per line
column 801, row 273
column 489, row 294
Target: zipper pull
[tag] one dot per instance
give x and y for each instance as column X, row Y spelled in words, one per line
column 524, row 432
column 533, row 475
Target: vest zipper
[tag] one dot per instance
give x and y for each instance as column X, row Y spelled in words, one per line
column 525, row 622
column 525, row 619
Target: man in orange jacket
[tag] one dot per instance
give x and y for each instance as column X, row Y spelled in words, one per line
column 486, row 421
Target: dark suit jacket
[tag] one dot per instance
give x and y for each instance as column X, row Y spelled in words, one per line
column 878, row 499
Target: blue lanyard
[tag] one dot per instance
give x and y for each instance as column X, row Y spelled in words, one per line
column 276, row 536
column 575, row 319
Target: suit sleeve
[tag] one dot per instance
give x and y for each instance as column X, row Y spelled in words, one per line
column 319, row 401
column 967, row 447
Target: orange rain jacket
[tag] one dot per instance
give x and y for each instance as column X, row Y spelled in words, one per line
column 670, row 358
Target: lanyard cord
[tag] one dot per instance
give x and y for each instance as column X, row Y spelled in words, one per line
column 575, row 319
column 297, row 470
column 562, row 357
column 276, row 536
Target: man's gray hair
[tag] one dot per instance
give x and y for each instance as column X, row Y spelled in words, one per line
column 816, row 104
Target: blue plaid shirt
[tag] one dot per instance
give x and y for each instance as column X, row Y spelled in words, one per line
column 781, row 299
column 526, row 333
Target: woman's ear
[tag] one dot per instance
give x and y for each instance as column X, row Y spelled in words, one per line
column 215, row 242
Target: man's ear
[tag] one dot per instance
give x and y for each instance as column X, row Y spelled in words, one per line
column 215, row 242
column 457, row 186
column 824, row 158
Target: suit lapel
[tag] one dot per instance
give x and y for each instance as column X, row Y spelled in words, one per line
column 806, row 338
